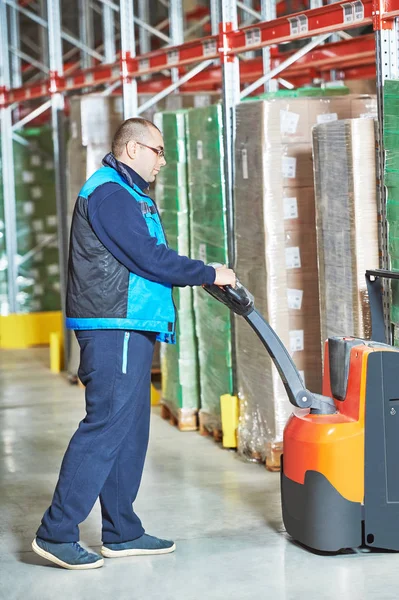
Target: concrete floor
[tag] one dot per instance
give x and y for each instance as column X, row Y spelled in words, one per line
column 224, row 514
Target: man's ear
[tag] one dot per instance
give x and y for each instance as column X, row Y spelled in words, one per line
column 131, row 149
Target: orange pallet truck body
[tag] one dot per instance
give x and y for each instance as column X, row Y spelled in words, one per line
column 340, row 467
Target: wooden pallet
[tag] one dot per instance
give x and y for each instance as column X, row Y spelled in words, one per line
column 273, row 456
column 209, row 426
column 184, row 421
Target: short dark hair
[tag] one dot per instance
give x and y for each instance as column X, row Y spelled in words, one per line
column 131, row 129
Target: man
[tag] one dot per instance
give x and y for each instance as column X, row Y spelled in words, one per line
column 119, row 302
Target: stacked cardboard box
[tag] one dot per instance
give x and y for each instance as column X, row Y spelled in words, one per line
column 179, row 363
column 260, row 265
column 347, row 229
column 391, row 145
column 209, row 243
column 280, row 194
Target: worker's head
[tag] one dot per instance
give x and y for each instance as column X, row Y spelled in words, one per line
column 139, row 144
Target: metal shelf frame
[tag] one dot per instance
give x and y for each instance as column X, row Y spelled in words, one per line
column 122, row 61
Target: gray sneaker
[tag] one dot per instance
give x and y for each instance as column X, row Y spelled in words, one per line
column 68, row 556
column 144, row 545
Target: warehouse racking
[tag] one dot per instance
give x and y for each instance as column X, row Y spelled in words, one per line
column 224, row 60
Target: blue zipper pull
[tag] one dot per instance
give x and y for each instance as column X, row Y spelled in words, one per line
column 125, row 351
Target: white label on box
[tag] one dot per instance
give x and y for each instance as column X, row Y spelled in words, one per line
column 293, row 258
column 200, row 150
column 28, row 177
column 29, row 208
column 302, row 374
column 38, row 256
column 56, row 286
column 288, row 121
column 244, row 154
column 38, row 289
column 51, row 220
column 36, row 192
column 37, row 225
column 290, row 208
column 202, row 253
column 289, row 167
column 35, row 160
column 327, row 117
column 296, row 340
column 53, row 269
column 49, row 165
column 294, row 298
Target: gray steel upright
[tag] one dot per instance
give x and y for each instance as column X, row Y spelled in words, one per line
column 231, row 97
column 216, row 17
column 144, row 34
column 128, row 48
column 16, row 74
column 108, row 19
column 268, row 12
column 86, row 32
column 7, row 157
column 176, row 28
column 58, row 125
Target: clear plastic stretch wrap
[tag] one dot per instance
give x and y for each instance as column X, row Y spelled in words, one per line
column 209, row 243
column 260, row 264
column 347, row 229
column 38, row 278
column 391, row 145
column 4, row 308
column 180, row 386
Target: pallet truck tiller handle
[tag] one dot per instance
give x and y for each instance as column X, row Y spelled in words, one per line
column 241, row 302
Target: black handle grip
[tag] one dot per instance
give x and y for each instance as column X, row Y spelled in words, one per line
column 382, row 273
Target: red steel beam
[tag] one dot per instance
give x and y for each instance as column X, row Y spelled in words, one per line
column 333, row 17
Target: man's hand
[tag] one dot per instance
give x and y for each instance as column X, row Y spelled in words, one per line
column 225, row 276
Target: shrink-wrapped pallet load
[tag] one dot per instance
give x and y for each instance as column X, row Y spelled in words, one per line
column 179, row 363
column 260, row 264
column 208, row 233
column 38, row 280
column 347, row 223
column 391, row 145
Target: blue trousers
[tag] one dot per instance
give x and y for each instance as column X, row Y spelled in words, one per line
column 105, row 457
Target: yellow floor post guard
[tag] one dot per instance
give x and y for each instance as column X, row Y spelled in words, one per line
column 29, row 329
column 230, row 414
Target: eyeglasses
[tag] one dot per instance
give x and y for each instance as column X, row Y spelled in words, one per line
column 161, row 153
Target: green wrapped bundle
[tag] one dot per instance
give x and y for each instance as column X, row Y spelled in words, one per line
column 180, row 386
column 3, row 254
column 36, row 222
column 391, row 180
column 209, row 243
column 38, row 274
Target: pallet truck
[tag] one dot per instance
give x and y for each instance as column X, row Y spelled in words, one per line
column 340, row 467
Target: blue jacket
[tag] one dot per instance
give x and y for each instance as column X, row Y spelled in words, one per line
column 121, row 271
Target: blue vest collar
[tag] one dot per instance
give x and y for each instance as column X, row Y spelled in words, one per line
column 129, row 174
